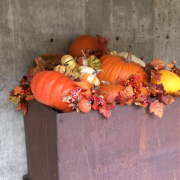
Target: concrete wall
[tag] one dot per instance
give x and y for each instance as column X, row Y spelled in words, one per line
column 148, row 29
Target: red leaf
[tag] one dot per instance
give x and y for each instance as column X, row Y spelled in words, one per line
column 156, row 108
column 156, row 75
column 106, row 111
column 156, row 89
column 102, row 42
column 166, row 99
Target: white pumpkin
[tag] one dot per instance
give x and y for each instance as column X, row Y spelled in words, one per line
column 88, row 70
column 134, row 58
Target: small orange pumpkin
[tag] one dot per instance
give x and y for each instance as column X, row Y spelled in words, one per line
column 84, row 105
column 110, row 91
column 82, row 43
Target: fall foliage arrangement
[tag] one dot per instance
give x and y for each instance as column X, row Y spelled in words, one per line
column 91, row 77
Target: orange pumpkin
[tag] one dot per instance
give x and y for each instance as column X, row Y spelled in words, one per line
column 115, row 68
column 82, row 43
column 110, row 91
column 84, row 105
column 48, row 87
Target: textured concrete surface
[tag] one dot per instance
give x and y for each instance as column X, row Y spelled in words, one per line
column 149, row 29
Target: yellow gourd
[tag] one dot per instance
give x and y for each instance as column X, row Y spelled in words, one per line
column 63, row 69
column 94, row 62
column 68, row 61
column 170, row 81
column 113, row 52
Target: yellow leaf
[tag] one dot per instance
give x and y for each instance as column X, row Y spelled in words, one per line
column 15, row 100
column 170, row 66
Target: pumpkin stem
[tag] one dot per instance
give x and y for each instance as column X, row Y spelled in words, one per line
column 129, row 58
column 84, row 54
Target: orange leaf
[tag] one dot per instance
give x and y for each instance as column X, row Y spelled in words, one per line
column 84, row 85
column 106, row 111
column 126, row 96
column 156, row 108
column 17, row 90
column 29, row 97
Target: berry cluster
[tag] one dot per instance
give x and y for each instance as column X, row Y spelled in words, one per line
column 75, row 93
column 97, row 101
column 26, row 92
column 133, row 80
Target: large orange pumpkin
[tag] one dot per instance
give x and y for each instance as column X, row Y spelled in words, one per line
column 114, row 67
column 49, row 87
column 110, row 91
column 82, row 43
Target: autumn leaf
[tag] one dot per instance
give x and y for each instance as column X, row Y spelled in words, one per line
column 15, row 100
column 156, row 88
column 156, row 75
column 174, row 62
column 102, row 42
column 142, row 101
column 86, row 88
column 17, row 90
column 22, row 106
column 66, row 98
column 170, row 66
column 166, row 99
column 29, row 97
column 156, row 108
column 176, row 94
column 158, row 64
column 125, row 96
column 106, row 111
column 7, row 100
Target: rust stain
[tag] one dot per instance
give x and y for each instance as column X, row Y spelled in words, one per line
column 143, row 139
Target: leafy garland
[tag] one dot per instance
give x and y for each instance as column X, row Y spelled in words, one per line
column 133, row 91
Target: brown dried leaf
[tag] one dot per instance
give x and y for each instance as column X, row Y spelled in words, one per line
column 177, row 94
column 166, row 99
column 156, row 108
column 156, row 88
column 17, row 90
column 22, row 106
column 158, row 64
column 156, row 75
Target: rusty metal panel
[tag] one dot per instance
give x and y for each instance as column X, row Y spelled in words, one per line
column 131, row 145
